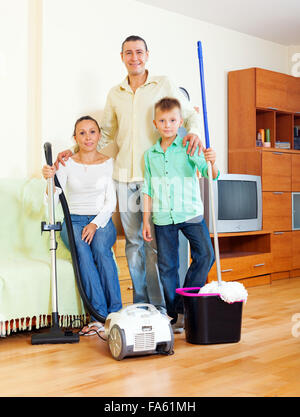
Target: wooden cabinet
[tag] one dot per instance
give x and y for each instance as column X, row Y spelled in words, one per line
column 123, row 271
column 271, row 89
column 126, row 291
column 236, row 268
column 268, row 100
column 296, row 172
column 277, row 211
column 276, row 171
column 281, row 251
column 243, row 255
column 293, row 104
column 296, row 249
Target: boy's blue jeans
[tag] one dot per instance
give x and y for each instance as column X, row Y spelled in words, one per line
column 96, row 263
column 202, row 255
column 141, row 256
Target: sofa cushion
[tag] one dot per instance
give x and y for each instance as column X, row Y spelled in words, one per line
column 25, row 259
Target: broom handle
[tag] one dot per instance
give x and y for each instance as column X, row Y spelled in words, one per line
column 210, row 179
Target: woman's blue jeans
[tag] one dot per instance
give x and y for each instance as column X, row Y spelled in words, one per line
column 202, row 255
column 96, row 263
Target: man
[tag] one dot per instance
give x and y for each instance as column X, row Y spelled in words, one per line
column 127, row 132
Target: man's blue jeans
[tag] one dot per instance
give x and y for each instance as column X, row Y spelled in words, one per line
column 202, row 255
column 141, row 256
column 96, row 263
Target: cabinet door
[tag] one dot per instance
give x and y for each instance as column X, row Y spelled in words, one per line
column 276, row 171
column 281, row 251
column 296, row 249
column 126, row 288
column 295, row 172
column 293, row 94
column 271, row 89
column 277, row 211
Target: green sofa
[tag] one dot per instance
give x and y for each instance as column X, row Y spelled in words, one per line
column 25, row 296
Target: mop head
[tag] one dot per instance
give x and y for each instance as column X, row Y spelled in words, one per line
column 229, row 291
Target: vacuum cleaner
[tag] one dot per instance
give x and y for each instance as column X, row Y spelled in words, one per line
column 56, row 334
column 138, row 329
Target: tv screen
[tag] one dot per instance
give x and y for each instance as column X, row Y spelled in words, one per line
column 237, row 200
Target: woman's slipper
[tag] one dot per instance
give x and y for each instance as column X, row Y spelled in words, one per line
column 91, row 329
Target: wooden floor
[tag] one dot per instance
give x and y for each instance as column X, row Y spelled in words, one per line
column 266, row 362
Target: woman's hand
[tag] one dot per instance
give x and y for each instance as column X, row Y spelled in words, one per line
column 88, row 232
column 48, row 171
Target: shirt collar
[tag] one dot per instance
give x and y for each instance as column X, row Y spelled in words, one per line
column 177, row 141
column 125, row 84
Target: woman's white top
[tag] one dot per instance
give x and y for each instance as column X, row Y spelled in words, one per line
column 89, row 189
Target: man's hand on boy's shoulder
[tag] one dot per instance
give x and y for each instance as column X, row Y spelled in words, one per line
column 194, row 143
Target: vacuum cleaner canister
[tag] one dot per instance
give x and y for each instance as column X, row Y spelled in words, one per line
column 138, row 329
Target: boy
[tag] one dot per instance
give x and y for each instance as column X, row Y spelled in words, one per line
column 171, row 192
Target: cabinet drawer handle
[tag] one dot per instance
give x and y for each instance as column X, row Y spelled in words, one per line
column 257, row 265
column 277, row 153
column 278, row 192
column 130, row 288
column 278, row 233
column 227, row 270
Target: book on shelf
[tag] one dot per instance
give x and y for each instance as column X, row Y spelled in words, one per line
column 282, row 145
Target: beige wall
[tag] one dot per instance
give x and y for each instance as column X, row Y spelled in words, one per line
column 13, row 87
column 63, row 58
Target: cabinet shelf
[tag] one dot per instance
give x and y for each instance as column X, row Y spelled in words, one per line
column 233, row 245
column 280, row 124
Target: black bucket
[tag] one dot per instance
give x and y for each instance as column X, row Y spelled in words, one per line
column 210, row 320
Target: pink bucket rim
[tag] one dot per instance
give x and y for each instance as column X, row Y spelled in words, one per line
column 182, row 291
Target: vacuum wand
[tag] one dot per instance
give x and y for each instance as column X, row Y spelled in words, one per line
column 53, row 244
column 210, row 179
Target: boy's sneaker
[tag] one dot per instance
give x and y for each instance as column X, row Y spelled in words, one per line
column 178, row 326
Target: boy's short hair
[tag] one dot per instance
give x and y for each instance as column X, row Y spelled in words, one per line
column 167, row 104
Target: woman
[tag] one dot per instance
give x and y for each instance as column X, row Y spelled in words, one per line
column 91, row 194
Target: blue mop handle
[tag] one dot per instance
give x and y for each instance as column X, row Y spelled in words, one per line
column 200, row 57
column 217, row 252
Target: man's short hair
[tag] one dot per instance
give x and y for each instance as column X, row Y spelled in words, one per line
column 167, row 104
column 134, row 38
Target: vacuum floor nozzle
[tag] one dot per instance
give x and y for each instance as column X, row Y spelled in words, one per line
column 55, row 336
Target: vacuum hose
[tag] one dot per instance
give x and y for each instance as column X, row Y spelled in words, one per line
column 68, row 221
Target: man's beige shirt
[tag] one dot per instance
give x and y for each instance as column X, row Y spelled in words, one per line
column 127, row 124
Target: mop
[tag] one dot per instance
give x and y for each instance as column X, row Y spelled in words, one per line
column 229, row 292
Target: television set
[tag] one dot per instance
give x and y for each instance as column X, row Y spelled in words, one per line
column 237, row 203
